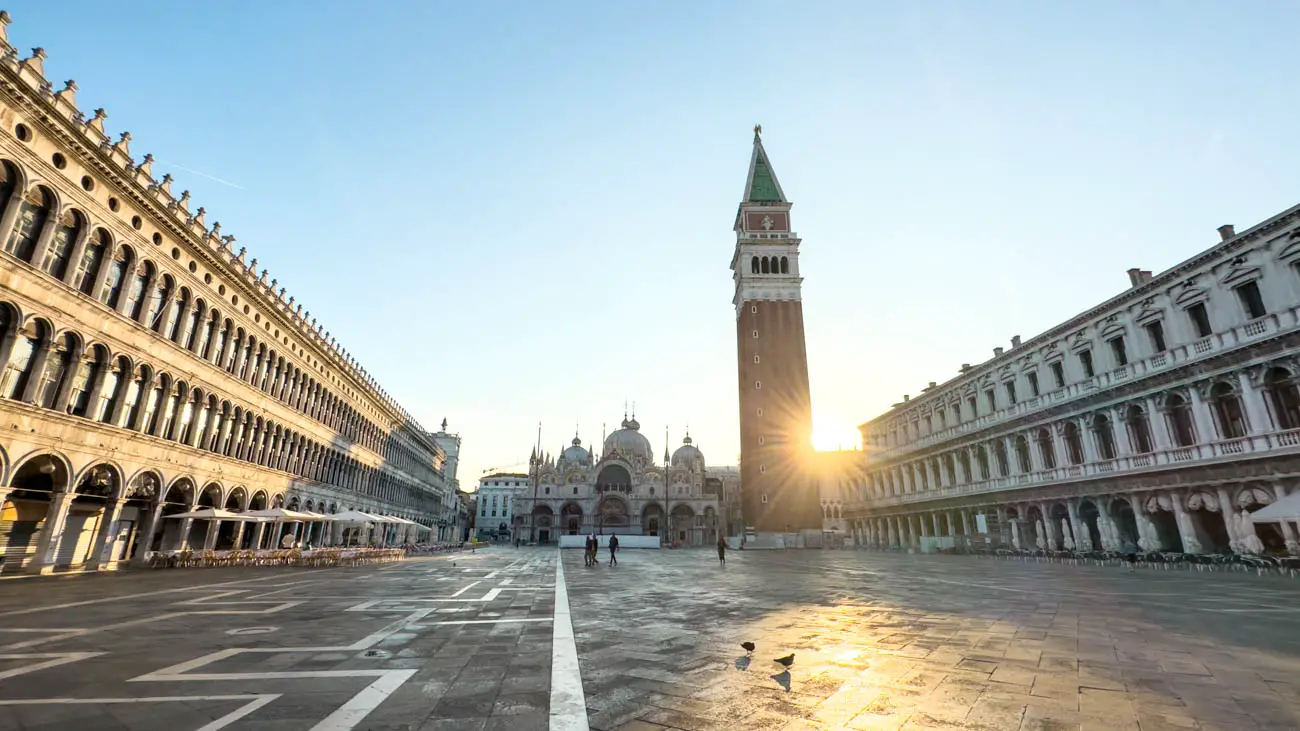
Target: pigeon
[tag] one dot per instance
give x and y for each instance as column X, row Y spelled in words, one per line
column 787, row 661
column 749, row 646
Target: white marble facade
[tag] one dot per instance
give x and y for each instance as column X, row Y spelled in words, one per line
column 1159, row 419
column 622, row 491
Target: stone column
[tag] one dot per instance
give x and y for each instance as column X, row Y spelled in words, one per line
column 47, row 545
column 1187, row 531
column 256, row 543
column 1088, row 441
column 1257, row 421
column 144, row 538
column 891, row 525
column 107, row 533
column 1059, row 452
column 183, row 533
column 959, row 468
column 1015, row 534
column 1156, row 422
column 1035, row 452
column 1288, row 531
column 1013, row 463
column 210, row 539
column 1082, row 537
column 1202, row 418
column 239, row 535
column 965, row 523
column 1229, row 519
column 1119, row 432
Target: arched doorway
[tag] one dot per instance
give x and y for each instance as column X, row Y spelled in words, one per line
column 196, row 537
column 167, row 534
column 543, row 518
column 229, row 532
column 1160, row 510
column 571, row 518
column 87, row 512
column 1122, row 515
column 1090, row 516
column 23, row 512
column 1270, row 534
column 1207, row 518
column 612, row 514
column 684, row 530
column 1062, row 538
column 652, row 519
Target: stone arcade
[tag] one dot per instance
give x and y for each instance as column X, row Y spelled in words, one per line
column 146, row 368
column 1161, row 417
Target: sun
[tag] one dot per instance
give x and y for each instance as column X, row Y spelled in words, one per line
column 831, row 437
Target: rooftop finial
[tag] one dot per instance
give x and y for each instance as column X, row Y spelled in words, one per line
column 758, row 131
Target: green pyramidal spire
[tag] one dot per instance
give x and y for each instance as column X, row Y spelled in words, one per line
column 761, row 185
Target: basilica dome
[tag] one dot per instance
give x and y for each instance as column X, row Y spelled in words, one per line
column 628, row 442
column 576, row 453
column 688, row 455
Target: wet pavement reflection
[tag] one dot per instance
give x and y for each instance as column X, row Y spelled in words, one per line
column 888, row 641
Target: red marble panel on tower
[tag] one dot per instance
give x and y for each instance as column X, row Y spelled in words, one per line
column 767, row 221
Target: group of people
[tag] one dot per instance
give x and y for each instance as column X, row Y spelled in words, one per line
column 592, row 556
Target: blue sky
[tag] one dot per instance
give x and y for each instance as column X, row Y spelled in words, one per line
column 520, row 212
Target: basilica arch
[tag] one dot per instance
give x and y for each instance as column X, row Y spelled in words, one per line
column 612, row 513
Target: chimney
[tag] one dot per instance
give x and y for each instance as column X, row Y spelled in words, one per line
column 1134, row 277
column 1015, row 342
column 965, row 367
column 1226, row 232
column 997, row 352
column 906, row 398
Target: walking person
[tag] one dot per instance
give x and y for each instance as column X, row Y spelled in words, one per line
column 1130, row 555
column 613, row 549
column 592, row 547
column 722, row 550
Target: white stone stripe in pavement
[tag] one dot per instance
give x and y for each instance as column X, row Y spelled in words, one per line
column 568, row 703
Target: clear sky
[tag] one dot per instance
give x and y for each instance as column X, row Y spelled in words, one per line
column 515, row 212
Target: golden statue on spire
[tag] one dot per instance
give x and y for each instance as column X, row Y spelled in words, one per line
column 758, row 130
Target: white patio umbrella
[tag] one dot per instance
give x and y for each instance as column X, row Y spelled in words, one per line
column 356, row 516
column 1288, row 508
column 214, row 514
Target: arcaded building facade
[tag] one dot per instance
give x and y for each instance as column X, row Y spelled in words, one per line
column 147, row 367
column 1159, row 419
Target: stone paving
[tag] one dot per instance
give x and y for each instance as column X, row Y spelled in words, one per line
column 422, row 644
column 464, row 643
column 889, row 641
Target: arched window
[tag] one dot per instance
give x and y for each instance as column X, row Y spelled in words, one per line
column 180, row 310
column 33, row 212
column 115, row 281
column 1105, row 436
column 753, row 265
column 192, row 333
column 136, row 300
column 169, row 409
column 111, row 391
column 66, row 232
column 219, row 345
column 1228, row 413
column 1139, row 431
column 58, row 370
column 93, row 367
column 236, row 352
column 155, row 403
column 184, row 419
column 785, row 265
column 1180, row 419
column 1045, row 449
column 92, row 258
column 134, row 403
column 21, row 359
column 1283, row 397
column 159, row 299
column 766, row 265
column 9, row 185
column 209, row 329
column 1000, row 458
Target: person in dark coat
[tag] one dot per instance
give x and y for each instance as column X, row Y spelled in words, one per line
column 613, row 549
column 722, row 550
column 592, row 547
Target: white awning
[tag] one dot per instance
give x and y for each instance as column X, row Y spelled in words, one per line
column 1288, row 508
column 281, row 514
column 216, row 514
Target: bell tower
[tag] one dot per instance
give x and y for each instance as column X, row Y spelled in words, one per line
column 779, row 490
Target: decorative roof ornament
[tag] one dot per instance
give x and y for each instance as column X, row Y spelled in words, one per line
column 5, row 20
column 123, row 144
column 242, row 251
column 146, row 165
column 69, row 93
column 35, row 62
column 226, row 241
column 252, row 265
column 197, row 218
column 97, row 122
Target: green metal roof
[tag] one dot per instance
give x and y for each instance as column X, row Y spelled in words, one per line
column 762, row 186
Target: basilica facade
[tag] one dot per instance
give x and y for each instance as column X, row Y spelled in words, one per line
column 623, row 491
